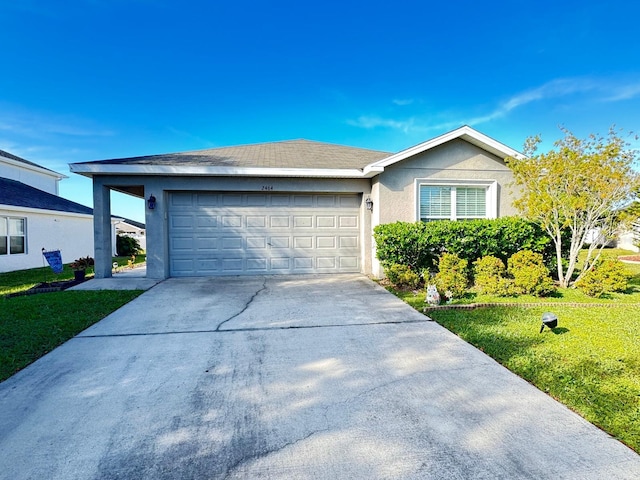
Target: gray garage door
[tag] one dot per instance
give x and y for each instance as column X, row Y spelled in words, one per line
column 213, row 233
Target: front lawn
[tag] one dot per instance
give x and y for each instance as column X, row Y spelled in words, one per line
column 32, row 325
column 18, row 281
column 590, row 362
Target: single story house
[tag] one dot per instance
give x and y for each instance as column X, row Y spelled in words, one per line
column 131, row 228
column 34, row 217
column 294, row 206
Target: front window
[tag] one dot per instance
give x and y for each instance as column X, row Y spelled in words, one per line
column 12, row 236
column 454, row 202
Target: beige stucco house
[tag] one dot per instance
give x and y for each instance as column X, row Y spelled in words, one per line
column 295, row 206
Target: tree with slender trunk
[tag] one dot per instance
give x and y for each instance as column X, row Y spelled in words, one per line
column 576, row 189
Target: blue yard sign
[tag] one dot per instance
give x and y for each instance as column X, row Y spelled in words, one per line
column 54, row 259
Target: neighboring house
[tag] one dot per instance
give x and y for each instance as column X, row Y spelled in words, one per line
column 630, row 239
column 33, row 216
column 131, row 228
column 295, row 206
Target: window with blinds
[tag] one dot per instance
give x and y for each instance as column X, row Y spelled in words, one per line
column 452, row 202
column 471, row 202
column 12, row 236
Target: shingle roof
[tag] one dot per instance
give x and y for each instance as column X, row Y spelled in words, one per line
column 286, row 154
column 131, row 222
column 19, row 194
column 11, row 156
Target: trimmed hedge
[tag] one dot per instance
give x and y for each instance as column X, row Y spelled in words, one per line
column 420, row 244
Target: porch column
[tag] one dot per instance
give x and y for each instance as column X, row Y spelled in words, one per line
column 102, row 229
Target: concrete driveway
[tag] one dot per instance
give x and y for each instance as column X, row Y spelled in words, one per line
column 286, row 377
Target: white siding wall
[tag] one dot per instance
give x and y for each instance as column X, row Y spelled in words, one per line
column 39, row 180
column 72, row 234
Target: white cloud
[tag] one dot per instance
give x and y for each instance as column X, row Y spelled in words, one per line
column 582, row 88
column 624, row 92
column 370, row 122
column 403, row 101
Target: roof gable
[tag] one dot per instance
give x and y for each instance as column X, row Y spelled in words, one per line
column 465, row 133
column 21, row 162
column 18, row 194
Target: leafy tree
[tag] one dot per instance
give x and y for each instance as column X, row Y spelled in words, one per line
column 127, row 246
column 577, row 187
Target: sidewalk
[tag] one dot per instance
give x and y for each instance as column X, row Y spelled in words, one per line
column 125, row 279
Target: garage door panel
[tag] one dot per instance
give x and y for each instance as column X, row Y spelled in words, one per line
column 302, row 263
column 348, row 262
column 326, row 242
column 254, row 243
column 232, row 221
column 348, row 221
column 324, row 221
column 256, row 221
column 326, row 263
column 302, row 200
column 281, row 263
column 279, row 221
column 280, row 200
column 279, row 242
column 256, row 264
column 232, row 243
column 303, row 242
column 303, row 221
column 208, row 200
column 213, row 233
column 181, row 221
column 207, row 221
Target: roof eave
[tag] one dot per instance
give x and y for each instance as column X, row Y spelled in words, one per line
column 89, row 170
column 34, row 168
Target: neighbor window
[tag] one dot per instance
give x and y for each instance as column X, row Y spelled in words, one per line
column 12, row 235
column 456, row 202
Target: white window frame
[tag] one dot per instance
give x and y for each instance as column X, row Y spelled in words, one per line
column 491, row 197
column 5, row 219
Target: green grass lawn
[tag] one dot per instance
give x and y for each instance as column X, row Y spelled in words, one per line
column 13, row 282
column 32, row 325
column 590, row 362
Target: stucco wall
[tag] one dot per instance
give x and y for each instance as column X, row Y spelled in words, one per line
column 456, row 160
column 72, row 234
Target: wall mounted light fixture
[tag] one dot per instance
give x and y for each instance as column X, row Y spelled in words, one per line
column 369, row 203
column 151, row 203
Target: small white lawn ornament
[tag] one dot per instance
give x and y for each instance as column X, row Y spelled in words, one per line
column 433, row 297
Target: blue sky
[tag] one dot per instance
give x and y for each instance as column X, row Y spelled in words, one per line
column 96, row 79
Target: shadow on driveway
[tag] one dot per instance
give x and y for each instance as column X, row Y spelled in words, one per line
column 286, row 377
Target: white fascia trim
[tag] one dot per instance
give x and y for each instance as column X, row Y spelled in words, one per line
column 466, row 133
column 95, row 169
column 41, row 211
column 492, row 191
column 26, row 166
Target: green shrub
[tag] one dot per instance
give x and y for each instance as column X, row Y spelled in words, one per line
column 403, row 243
column 420, row 244
column 452, row 277
column 127, row 246
column 402, row 276
column 606, row 276
column 530, row 276
column 489, row 276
